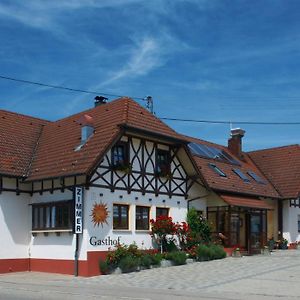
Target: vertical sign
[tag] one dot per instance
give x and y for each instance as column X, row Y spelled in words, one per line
column 78, row 210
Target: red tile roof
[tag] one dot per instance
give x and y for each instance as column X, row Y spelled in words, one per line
column 245, row 202
column 55, row 155
column 41, row 149
column 232, row 182
column 281, row 166
column 18, row 138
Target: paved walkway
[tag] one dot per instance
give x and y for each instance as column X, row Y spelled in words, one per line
column 254, row 277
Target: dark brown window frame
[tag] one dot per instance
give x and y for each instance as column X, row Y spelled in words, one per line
column 125, row 151
column 40, row 209
column 162, row 208
column 163, row 169
column 144, row 226
column 119, row 227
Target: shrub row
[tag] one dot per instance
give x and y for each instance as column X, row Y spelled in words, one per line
column 209, row 252
column 130, row 258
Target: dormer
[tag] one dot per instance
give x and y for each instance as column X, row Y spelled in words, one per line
column 87, row 129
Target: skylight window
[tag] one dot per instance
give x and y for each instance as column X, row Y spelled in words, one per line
column 217, row 170
column 243, row 176
column 211, row 152
column 256, row 177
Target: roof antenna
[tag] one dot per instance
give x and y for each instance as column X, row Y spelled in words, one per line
column 149, row 104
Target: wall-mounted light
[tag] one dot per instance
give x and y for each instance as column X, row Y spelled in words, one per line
column 164, row 201
column 178, row 202
column 136, row 198
column 150, row 199
column 101, row 195
column 120, row 196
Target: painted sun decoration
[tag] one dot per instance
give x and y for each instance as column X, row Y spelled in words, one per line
column 99, row 214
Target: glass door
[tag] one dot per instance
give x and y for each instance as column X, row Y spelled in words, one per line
column 255, row 233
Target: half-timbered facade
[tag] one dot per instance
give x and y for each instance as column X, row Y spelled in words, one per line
column 72, row 189
column 131, row 168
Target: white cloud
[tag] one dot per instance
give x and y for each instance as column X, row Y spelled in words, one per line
column 144, row 57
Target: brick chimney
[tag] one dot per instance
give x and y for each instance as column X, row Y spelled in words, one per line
column 235, row 142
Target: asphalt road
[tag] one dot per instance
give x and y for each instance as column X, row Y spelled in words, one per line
column 258, row 277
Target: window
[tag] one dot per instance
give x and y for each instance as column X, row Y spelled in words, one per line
column 298, row 223
column 217, row 170
column 120, row 216
column 162, row 211
column 241, row 175
column 54, row 215
column 142, row 218
column 120, row 154
column 163, row 165
column 256, row 177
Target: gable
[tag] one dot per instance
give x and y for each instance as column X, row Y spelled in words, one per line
column 281, row 166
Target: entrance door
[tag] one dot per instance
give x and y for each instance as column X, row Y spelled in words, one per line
column 255, row 233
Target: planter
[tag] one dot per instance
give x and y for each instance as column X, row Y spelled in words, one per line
column 236, row 254
column 166, row 263
column 265, row 251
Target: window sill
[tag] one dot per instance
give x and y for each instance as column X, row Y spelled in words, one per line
column 143, row 231
column 122, row 230
column 47, row 231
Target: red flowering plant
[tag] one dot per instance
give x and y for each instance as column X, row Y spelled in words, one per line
column 162, row 227
column 182, row 231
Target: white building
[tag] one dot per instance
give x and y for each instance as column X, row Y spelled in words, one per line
column 131, row 168
column 281, row 165
column 104, row 173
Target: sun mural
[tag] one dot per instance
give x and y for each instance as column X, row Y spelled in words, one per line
column 99, row 214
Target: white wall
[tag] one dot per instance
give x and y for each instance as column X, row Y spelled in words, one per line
column 290, row 222
column 142, row 238
column 53, row 246
column 14, row 225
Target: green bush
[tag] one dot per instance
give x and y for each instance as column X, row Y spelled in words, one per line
column 156, row 259
column 104, row 267
column 129, row 264
column 216, row 252
column 199, row 228
column 178, row 257
column 146, row 261
column 210, row 252
column 203, row 252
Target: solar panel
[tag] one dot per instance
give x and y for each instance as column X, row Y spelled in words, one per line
column 256, row 177
column 212, row 152
column 241, row 175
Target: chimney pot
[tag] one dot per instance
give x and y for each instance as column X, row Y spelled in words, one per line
column 100, row 100
column 235, row 142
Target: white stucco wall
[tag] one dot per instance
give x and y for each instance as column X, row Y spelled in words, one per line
column 290, row 222
column 53, row 246
column 177, row 210
column 14, row 225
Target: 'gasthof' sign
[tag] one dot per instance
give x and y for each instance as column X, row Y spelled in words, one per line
column 78, row 210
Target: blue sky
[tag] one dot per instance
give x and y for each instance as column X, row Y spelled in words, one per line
column 198, row 59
